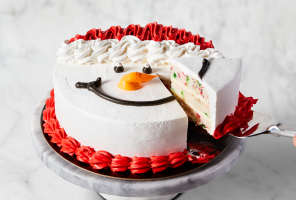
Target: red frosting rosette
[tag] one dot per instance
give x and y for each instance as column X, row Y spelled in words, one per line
column 50, row 102
column 49, row 113
column 159, row 163
column 84, row 153
column 69, row 145
column 177, row 159
column 120, row 163
column 50, row 126
column 52, row 93
column 101, row 160
column 140, row 165
column 57, row 136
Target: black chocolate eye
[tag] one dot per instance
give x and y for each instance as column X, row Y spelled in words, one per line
column 147, row 69
column 119, row 68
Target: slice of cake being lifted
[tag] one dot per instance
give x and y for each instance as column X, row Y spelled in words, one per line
column 208, row 99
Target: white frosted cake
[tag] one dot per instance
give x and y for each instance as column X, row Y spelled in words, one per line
column 93, row 115
column 127, row 130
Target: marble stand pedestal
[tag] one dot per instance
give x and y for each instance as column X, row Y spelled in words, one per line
column 110, row 188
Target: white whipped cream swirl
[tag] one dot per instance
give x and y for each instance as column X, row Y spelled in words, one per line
column 129, row 48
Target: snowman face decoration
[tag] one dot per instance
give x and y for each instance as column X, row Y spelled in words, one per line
column 129, row 82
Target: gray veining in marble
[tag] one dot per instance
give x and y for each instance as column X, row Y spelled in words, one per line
column 262, row 33
column 131, row 188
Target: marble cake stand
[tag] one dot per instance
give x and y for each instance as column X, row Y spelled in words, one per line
column 110, row 188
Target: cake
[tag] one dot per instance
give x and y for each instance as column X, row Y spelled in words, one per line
column 207, row 100
column 105, row 119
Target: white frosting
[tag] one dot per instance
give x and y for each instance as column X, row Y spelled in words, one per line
column 221, row 80
column 129, row 48
column 126, row 130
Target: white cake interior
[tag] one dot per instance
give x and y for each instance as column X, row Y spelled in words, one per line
column 209, row 100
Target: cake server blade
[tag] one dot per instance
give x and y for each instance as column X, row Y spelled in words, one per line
column 268, row 125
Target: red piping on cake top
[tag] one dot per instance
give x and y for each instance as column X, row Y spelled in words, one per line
column 151, row 31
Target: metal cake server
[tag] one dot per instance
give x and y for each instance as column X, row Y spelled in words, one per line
column 268, row 125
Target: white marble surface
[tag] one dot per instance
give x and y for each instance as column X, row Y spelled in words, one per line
column 262, row 33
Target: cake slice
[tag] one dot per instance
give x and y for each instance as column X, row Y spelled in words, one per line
column 207, row 100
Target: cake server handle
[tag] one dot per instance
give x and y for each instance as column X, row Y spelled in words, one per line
column 282, row 130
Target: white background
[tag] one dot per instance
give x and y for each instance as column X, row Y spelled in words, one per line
column 262, row 33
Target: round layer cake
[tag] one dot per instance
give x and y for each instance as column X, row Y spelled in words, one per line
column 142, row 131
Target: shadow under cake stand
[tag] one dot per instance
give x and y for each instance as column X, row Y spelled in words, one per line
column 113, row 188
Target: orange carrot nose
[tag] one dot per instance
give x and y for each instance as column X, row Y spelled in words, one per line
column 133, row 80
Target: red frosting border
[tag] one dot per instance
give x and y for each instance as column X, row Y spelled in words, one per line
column 152, row 31
column 234, row 124
column 102, row 159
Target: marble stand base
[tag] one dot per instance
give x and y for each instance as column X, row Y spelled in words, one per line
column 109, row 187
column 112, row 197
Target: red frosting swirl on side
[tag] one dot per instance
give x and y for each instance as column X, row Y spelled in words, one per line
column 50, row 126
column 101, row 160
column 140, row 165
column 159, row 163
column 84, row 153
column 233, row 123
column 120, row 163
column 50, row 102
column 52, row 93
column 69, row 145
column 151, row 31
column 49, row 113
column 58, row 135
column 177, row 159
